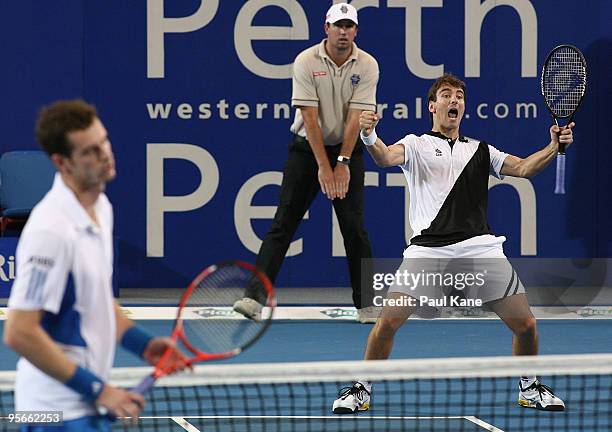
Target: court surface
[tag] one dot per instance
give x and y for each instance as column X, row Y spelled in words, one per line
column 336, row 336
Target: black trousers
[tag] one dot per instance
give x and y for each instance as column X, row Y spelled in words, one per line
column 299, row 188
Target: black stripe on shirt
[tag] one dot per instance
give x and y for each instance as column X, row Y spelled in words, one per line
column 463, row 214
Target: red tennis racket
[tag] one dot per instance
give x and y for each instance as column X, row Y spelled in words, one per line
column 206, row 326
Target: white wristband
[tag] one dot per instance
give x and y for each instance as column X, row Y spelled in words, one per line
column 369, row 140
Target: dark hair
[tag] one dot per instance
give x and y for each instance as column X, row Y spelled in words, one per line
column 446, row 79
column 58, row 119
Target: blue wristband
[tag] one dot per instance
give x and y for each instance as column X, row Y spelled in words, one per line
column 86, row 383
column 135, row 340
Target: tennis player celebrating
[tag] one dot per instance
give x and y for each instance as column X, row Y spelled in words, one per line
column 447, row 175
column 62, row 318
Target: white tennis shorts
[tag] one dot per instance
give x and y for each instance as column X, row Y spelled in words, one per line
column 475, row 269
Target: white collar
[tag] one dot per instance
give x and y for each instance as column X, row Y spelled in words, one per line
column 69, row 203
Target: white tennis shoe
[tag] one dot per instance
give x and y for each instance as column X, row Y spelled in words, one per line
column 249, row 307
column 540, row 397
column 352, row 399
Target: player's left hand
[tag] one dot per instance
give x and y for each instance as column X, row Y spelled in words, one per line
column 562, row 135
column 342, row 177
column 158, row 346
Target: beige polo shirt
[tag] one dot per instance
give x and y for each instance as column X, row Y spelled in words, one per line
column 319, row 82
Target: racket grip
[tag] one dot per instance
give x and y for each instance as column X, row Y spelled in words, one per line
column 560, row 181
column 145, row 385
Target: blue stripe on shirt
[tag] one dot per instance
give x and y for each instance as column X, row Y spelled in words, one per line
column 65, row 326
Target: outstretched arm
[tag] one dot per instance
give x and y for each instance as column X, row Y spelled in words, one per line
column 536, row 162
column 383, row 155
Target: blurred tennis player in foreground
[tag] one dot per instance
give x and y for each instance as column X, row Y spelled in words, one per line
column 62, row 318
column 447, row 175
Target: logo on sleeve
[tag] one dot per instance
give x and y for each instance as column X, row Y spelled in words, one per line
column 355, row 78
column 41, row 261
column 96, row 387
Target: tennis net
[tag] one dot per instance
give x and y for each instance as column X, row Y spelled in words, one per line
column 459, row 394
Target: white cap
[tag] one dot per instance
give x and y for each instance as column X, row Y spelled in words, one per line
column 341, row 11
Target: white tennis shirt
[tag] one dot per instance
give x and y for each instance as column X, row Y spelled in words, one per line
column 448, row 183
column 64, row 267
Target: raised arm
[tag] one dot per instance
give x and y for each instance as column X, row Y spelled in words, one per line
column 533, row 164
column 383, row 155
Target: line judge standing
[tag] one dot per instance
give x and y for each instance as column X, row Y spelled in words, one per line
column 333, row 82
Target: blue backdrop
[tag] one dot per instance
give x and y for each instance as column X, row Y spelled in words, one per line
column 195, row 95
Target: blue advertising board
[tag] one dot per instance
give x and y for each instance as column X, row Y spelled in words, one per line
column 196, row 96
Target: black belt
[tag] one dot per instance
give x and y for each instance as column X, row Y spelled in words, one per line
column 300, row 139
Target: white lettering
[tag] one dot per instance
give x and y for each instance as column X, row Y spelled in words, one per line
column 479, row 110
column 7, row 274
column 475, row 12
column 260, row 109
column 242, row 111
column 380, row 108
column 501, row 110
column 158, row 204
column 398, row 180
column 400, row 112
column 523, row 110
column 245, row 33
column 205, row 112
column 159, row 110
column 244, row 212
column 158, row 25
column 184, row 111
column 222, row 106
column 281, row 111
column 413, row 40
column 418, row 108
column 527, row 199
column 338, row 250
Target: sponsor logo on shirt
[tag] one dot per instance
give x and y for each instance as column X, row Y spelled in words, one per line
column 41, row 261
column 318, row 74
column 438, row 152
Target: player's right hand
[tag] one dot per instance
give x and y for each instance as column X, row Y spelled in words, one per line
column 368, row 121
column 156, row 349
column 327, row 182
column 121, row 403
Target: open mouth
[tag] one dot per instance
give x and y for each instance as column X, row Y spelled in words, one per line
column 453, row 113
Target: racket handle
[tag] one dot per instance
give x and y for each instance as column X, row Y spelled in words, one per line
column 560, row 182
column 145, row 385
